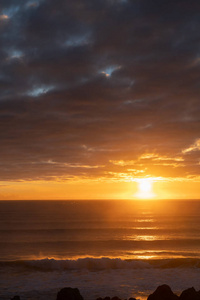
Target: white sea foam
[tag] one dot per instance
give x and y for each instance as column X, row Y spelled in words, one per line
column 87, row 263
column 103, row 263
column 123, row 282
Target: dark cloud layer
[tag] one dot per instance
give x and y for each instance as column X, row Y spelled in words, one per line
column 86, row 83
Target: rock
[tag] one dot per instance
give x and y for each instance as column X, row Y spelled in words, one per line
column 132, row 298
column 15, row 298
column 163, row 292
column 115, row 298
column 69, row 294
column 190, row 294
column 106, row 298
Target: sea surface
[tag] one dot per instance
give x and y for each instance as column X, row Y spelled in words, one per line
column 104, row 248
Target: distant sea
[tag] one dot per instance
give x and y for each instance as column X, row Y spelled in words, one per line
column 104, row 248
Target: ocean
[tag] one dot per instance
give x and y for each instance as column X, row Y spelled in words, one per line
column 123, row 248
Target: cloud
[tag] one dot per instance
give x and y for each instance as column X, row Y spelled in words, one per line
column 3, row 17
column 193, row 147
column 96, row 83
column 122, row 162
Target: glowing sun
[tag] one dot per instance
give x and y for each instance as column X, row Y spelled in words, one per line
column 145, row 189
column 145, row 186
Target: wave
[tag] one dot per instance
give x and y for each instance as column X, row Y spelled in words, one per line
column 98, row 264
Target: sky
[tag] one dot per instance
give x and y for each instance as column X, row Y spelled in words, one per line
column 96, row 96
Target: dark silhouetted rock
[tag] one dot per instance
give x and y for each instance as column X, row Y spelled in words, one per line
column 163, row 292
column 16, row 298
column 106, row 298
column 99, row 298
column 132, row 298
column 115, row 298
column 190, row 294
column 69, row 294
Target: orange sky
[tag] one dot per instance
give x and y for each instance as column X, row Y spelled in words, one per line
column 119, row 179
column 97, row 189
column 96, row 97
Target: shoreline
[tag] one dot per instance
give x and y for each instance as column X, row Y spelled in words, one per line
column 162, row 292
column 124, row 283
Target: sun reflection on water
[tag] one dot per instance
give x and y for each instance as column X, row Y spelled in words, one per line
column 147, row 228
column 145, row 220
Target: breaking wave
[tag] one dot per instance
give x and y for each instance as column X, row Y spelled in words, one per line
column 98, row 264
